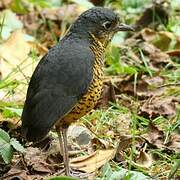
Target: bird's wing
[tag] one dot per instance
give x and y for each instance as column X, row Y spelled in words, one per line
column 59, row 81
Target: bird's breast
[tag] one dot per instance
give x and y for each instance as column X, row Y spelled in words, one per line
column 93, row 94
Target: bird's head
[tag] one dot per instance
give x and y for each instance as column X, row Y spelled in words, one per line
column 99, row 22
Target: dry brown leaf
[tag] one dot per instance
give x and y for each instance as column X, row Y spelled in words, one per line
column 144, row 160
column 155, row 136
column 125, row 142
column 15, row 173
column 174, row 143
column 158, row 107
column 12, row 123
column 5, row 3
column 153, row 81
column 14, row 55
column 68, row 12
column 41, row 49
column 13, row 52
column 157, row 58
column 108, row 95
column 148, row 34
column 145, row 86
column 162, row 40
column 35, row 159
column 148, row 48
column 175, row 52
column 94, row 161
column 30, row 21
column 101, row 143
column 154, row 15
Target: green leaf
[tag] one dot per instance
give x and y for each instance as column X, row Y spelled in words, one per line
column 107, row 171
column 41, row 3
column 62, row 178
column 17, row 111
column 174, row 169
column 4, row 136
column 17, row 146
column 6, row 151
column 130, row 70
column 19, row 6
column 125, row 174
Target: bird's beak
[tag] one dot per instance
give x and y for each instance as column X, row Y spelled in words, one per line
column 124, row 27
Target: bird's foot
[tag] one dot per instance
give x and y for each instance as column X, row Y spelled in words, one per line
column 75, row 173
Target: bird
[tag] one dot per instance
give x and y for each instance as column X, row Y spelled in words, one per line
column 67, row 82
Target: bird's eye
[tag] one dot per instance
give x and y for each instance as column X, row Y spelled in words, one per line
column 107, row 25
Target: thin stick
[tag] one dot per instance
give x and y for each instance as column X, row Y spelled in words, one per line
column 170, row 84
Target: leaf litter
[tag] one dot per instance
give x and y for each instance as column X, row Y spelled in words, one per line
column 156, row 137
column 156, row 106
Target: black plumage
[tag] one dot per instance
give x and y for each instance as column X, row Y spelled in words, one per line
column 58, row 82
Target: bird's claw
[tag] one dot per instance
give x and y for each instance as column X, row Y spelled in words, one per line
column 76, row 173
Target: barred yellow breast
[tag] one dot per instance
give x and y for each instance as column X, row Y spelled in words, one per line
column 89, row 100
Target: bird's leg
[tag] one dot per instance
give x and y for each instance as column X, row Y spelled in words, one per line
column 68, row 170
column 60, row 140
column 65, row 154
column 62, row 134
